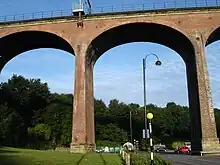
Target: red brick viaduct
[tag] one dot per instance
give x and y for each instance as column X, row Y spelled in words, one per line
column 185, row 31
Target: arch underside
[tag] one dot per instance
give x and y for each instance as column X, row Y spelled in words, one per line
column 141, row 32
column 215, row 36
column 177, row 41
column 17, row 43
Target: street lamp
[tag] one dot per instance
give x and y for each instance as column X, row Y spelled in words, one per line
column 158, row 63
column 150, row 117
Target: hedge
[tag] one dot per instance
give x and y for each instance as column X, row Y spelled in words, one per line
column 144, row 159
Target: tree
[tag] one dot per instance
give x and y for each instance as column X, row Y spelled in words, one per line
column 217, row 119
column 11, row 127
column 39, row 136
column 112, row 132
column 100, row 107
column 24, row 97
column 31, row 115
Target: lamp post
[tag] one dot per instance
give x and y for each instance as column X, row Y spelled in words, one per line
column 150, row 117
column 158, row 63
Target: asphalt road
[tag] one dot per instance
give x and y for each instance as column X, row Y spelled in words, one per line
column 183, row 159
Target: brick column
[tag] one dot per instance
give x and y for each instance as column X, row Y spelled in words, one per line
column 203, row 126
column 83, row 106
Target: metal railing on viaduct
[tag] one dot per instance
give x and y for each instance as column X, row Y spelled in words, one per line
column 166, row 5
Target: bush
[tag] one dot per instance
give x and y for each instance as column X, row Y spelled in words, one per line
column 39, row 137
column 144, row 159
column 144, row 145
column 104, row 143
column 177, row 144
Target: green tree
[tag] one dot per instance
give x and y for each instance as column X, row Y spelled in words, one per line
column 217, row 119
column 11, row 127
column 30, row 113
column 111, row 132
column 39, row 136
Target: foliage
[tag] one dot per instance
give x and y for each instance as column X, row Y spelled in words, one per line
column 144, row 159
column 105, row 143
column 144, row 145
column 177, row 144
column 30, row 114
column 11, row 127
column 111, row 132
column 39, row 136
column 217, row 119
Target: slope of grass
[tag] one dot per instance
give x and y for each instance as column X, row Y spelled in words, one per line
column 14, row 156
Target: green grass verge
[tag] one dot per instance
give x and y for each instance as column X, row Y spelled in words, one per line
column 14, row 156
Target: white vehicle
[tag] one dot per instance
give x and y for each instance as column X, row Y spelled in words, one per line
column 128, row 146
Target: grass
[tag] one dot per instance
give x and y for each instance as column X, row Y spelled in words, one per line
column 15, row 156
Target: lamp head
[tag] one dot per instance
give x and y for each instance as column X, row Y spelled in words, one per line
column 150, row 116
column 158, row 62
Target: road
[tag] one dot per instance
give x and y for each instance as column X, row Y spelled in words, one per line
column 183, row 159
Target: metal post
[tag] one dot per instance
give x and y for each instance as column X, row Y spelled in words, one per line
column 90, row 6
column 131, row 125
column 158, row 62
column 151, row 144
column 145, row 109
column 206, row 3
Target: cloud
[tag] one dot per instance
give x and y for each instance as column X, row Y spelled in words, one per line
column 125, row 82
column 50, row 65
column 60, row 84
column 166, row 83
column 118, row 73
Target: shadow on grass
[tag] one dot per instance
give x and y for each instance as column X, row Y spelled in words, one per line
column 7, row 157
column 104, row 161
column 79, row 161
column 8, row 160
column 6, row 150
column 122, row 161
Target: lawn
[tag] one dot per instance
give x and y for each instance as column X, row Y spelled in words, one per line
column 14, row 156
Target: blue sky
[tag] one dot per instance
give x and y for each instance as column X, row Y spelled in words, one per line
column 118, row 72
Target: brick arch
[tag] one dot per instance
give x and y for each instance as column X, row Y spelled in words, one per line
column 140, row 32
column 214, row 36
column 16, row 43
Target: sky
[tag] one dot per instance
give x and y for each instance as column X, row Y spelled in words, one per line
column 118, row 72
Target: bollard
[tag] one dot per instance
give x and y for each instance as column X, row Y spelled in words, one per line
column 126, row 157
column 129, row 159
